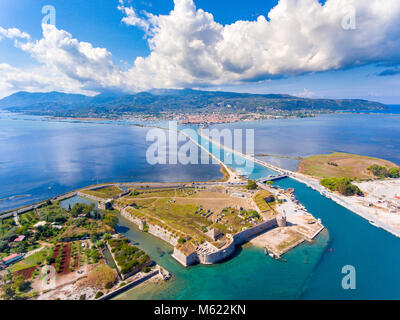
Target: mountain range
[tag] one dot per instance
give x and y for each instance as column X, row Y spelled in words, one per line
column 170, row 100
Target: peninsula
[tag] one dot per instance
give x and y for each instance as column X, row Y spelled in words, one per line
column 368, row 186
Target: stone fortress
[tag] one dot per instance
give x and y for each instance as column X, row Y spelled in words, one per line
column 206, row 253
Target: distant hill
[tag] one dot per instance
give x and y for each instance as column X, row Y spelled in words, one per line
column 161, row 100
column 26, row 99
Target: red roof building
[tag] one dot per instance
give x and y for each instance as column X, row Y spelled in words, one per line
column 19, row 239
column 12, row 258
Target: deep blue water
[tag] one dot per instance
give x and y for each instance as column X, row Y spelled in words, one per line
column 40, row 159
column 37, row 155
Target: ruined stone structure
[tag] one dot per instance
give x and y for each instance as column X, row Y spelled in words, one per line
column 154, row 230
column 188, row 255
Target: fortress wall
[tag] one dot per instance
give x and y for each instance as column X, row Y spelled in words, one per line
column 131, row 218
column 247, row 234
column 229, row 249
column 163, row 234
column 183, row 259
column 153, row 230
column 88, row 196
column 218, row 256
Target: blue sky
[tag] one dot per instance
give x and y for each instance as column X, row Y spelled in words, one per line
column 216, row 53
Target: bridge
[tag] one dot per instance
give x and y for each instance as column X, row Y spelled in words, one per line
column 272, row 178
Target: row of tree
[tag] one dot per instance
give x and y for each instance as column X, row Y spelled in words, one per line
column 383, row 172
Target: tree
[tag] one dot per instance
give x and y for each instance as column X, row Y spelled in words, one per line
column 3, row 245
column 270, row 183
column 8, row 292
column 341, row 185
column 251, row 185
column 21, row 284
column 111, row 220
column 394, row 173
column 81, row 208
column 106, row 236
column 378, row 171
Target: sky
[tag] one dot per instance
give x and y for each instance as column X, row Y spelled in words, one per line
column 308, row 48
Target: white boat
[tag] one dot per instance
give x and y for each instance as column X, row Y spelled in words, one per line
column 373, row 223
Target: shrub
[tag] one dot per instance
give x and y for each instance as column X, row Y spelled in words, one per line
column 99, row 294
column 394, row 173
column 379, row 171
column 341, row 185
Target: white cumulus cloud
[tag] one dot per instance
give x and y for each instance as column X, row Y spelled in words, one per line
column 92, row 67
column 188, row 48
column 12, row 33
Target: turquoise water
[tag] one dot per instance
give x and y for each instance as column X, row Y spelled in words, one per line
column 73, row 200
column 250, row 274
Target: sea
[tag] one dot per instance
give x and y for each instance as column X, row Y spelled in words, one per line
column 41, row 158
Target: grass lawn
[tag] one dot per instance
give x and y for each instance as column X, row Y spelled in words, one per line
column 31, row 261
column 101, row 276
column 259, row 200
column 338, row 165
column 179, row 217
column 91, row 227
column 104, row 193
column 165, row 193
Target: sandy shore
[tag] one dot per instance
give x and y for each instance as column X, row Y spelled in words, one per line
column 373, row 207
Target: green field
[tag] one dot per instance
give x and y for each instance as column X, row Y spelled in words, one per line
column 173, row 216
